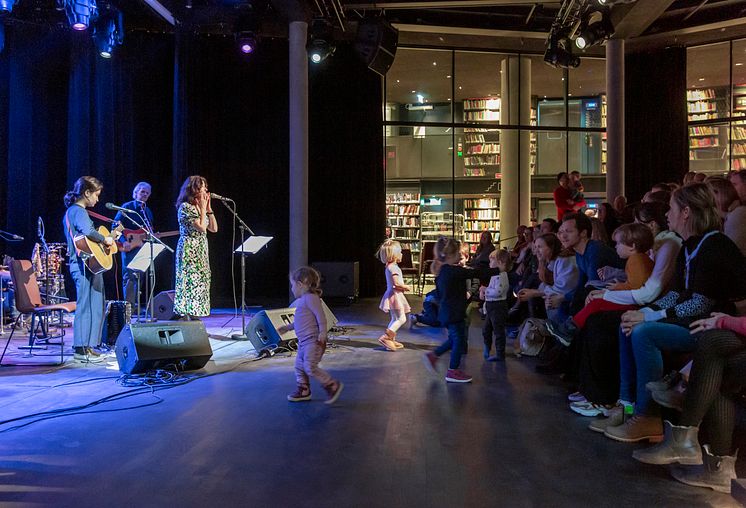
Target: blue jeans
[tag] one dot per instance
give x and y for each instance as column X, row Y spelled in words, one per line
column 89, row 313
column 641, row 360
column 455, row 342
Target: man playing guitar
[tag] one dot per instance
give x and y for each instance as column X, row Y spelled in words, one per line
column 131, row 278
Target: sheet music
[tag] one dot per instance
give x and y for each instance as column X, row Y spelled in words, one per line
column 141, row 261
column 253, row 244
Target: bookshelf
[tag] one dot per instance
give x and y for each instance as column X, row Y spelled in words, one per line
column 705, row 104
column 738, row 146
column 403, row 220
column 739, row 100
column 532, row 143
column 482, row 153
column 480, row 215
column 435, row 224
column 603, row 135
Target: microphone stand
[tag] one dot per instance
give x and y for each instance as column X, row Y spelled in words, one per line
column 151, row 267
column 45, row 247
column 244, row 228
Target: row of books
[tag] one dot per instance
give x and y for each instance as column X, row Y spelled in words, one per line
column 402, row 209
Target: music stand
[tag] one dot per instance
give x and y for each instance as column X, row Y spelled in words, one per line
column 252, row 245
column 142, row 262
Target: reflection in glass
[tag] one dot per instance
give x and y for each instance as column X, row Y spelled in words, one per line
column 418, row 86
column 707, row 82
column 708, row 148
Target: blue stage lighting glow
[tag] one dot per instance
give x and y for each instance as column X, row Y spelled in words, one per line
column 6, row 6
column 108, row 33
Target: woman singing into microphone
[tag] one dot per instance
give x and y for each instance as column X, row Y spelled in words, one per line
column 192, row 295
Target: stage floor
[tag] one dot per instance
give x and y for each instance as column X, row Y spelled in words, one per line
column 398, row 437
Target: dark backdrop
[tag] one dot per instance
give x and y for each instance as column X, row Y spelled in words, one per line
column 65, row 112
column 656, row 120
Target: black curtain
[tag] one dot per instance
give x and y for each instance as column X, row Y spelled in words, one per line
column 347, row 182
column 655, row 119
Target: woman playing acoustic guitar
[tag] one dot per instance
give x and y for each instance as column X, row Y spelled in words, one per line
column 89, row 314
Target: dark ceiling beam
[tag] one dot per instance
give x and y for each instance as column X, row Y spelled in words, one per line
column 636, row 18
column 483, row 32
column 447, row 4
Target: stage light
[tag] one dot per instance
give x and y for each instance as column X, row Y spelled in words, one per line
column 557, row 55
column 321, row 45
column 247, row 42
column 6, row 6
column 595, row 30
column 80, row 13
column 108, row 33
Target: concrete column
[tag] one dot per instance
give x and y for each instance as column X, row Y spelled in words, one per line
column 515, row 109
column 614, row 118
column 298, row 130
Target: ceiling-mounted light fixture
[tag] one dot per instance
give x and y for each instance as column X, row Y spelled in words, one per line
column 321, row 45
column 557, row 54
column 80, row 13
column 595, row 29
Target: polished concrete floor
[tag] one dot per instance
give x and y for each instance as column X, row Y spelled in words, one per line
column 398, row 437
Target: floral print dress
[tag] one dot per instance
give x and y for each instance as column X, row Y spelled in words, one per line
column 192, row 295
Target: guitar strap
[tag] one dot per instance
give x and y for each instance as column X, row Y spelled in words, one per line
column 71, row 235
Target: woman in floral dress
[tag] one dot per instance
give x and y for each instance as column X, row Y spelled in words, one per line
column 192, row 295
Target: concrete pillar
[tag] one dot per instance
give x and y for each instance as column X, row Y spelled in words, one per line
column 614, row 118
column 298, row 130
column 515, row 109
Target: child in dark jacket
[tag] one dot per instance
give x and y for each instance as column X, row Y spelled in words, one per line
column 450, row 281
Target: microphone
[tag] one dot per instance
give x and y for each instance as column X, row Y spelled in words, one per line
column 112, row 206
column 218, row 196
column 39, row 226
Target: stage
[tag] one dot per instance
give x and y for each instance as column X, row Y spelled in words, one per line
column 398, row 437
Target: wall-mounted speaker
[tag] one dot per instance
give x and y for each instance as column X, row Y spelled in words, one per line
column 376, row 44
column 147, row 346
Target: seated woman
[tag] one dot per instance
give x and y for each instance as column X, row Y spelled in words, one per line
column 718, row 375
column 730, row 210
column 557, row 271
column 702, row 282
column 598, row 374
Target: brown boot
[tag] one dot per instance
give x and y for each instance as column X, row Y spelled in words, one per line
column 615, row 418
column 398, row 344
column 387, row 340
column 637, row 428
column 301, row 393
column 333, row 390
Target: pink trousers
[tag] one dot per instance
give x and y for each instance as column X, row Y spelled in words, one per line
column 307, row 363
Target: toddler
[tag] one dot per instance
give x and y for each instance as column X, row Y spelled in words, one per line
column 394, row 302
column 496, row 305
column 310, row 326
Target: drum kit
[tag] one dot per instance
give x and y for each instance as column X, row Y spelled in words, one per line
column 48, row 268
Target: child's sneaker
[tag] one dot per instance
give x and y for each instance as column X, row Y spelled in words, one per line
column 300, row 394
column 398, row 345
column 430, row 359
column 333, row 389
column 457, row 376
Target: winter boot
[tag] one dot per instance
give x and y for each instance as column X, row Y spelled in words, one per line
column 679, row 445
column 387, row 340
column 715, row 472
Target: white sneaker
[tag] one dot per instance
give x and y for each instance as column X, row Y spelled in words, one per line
column 590, row 409
column 576, row 397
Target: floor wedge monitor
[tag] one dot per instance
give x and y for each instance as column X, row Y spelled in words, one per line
column 142, row 347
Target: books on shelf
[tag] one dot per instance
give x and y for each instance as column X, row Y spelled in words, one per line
column 481, row 215
column 403, row 219
column 483, row 145
column 481, row 203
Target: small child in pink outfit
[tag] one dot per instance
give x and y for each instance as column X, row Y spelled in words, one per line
column 310, row 326
column 393, row 301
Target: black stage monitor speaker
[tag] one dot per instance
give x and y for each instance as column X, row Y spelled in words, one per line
column 163, row 306
column 376, row 44
column 262, row 328
column 147, row 346
column 340, row 280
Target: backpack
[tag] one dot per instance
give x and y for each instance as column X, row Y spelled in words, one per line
column 531, row 337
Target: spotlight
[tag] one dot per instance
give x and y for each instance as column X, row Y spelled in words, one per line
column 321, row 45
column 80, row 12
column 108, row 33
column 6, row 6
column 247, row 42
column 557, row 55
column 596, row 29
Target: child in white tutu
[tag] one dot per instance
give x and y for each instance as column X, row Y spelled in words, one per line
column 393, row 301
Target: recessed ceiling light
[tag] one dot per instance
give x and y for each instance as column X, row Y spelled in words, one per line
column 440, row 39
column 738, row 64
column 569, row 95
column 414, row 91
column 701, row 79
column 448, row 77
column 459, row 88
column 397, row 80
column 449, row 98
column 435, row 63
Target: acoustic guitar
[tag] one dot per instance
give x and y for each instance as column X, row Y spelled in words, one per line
column 98, row 257
column 134, row 238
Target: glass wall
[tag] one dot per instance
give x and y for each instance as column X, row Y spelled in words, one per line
column 457, row 121
column 715, row 100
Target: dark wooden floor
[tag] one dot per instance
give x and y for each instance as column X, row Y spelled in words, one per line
column 397, row 438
